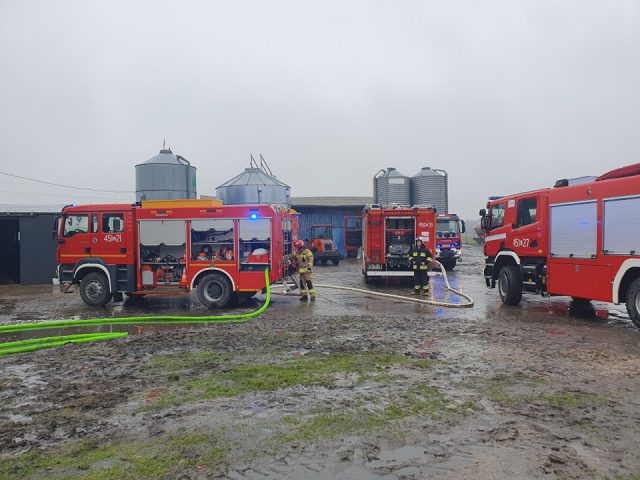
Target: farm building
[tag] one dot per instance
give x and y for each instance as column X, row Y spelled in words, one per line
column 332, row 211
column 27, row 243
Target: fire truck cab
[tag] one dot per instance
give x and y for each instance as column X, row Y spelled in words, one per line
column 387, row 237
column 449, row 230
column 170, row 247
column 580, row 239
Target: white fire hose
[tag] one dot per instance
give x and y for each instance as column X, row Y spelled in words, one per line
column 436, row 303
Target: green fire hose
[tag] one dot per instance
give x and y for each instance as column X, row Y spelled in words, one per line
column 32, row 344
column 36, row 344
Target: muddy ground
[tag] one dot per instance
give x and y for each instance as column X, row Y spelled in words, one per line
column 351, row 387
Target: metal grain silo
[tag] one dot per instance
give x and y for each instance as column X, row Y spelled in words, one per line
column 391, row 186
column 431, row 187
column 165, row 177
column 256, row 185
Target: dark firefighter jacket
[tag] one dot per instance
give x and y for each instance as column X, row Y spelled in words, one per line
column 419, row 258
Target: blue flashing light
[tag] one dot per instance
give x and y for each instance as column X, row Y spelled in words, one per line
column 438, row 245
column 253, row 216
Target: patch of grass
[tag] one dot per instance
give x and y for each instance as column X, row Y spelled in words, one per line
column 498, row 393
column 464, row 407
column 238, row 379
column 175, row 362
column 538, row 381
column 162, row 457
column 422, row 400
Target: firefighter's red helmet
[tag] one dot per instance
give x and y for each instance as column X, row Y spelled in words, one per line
column 298, row 243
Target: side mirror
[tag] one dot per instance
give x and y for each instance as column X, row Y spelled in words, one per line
column 483, row 212
column 464, row 227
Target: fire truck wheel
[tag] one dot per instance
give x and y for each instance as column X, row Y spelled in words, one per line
column 510, row 285
column 633, row 302
column 94, row 289
column 214, row 291
column 335, row 261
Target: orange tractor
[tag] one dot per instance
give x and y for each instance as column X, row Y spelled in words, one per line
column 321, row 244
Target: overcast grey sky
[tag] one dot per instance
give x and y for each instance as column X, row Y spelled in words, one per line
column 505, row 96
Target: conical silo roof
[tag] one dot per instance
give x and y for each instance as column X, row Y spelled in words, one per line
column 166, row 156
column 253, row 176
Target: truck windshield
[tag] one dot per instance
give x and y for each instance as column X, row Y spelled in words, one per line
column 448, row 226
column 497, row 216
column 74, row 224
column 321, row 232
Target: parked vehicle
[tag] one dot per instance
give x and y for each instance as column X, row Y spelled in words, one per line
column 580, row 239
column 449, row 230
column 170, row 247
column 321, row 244
column 388, row 234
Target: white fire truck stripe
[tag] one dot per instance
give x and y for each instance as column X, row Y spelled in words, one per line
column 498, row 236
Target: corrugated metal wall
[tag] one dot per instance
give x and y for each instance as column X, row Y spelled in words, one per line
column 333, row 216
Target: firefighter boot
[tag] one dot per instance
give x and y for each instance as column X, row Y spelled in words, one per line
column 426, row 290
column 303, row 298
column 416, row 291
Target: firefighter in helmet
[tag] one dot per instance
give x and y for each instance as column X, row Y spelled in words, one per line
column 302, row 259
column 419, row 259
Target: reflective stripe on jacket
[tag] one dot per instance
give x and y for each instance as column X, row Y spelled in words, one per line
column 419, row 259
column 303, row 260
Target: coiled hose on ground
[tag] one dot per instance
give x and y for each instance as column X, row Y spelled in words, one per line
column 443, row 273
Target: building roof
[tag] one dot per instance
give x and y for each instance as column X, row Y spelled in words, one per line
column 330, row 201
column 11, row 209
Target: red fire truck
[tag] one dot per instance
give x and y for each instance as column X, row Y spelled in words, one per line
column 579, row 239
column 170, row 247
column 387, row 236
column 449, row 230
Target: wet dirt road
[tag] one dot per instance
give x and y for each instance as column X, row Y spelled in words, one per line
column 349, row 387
